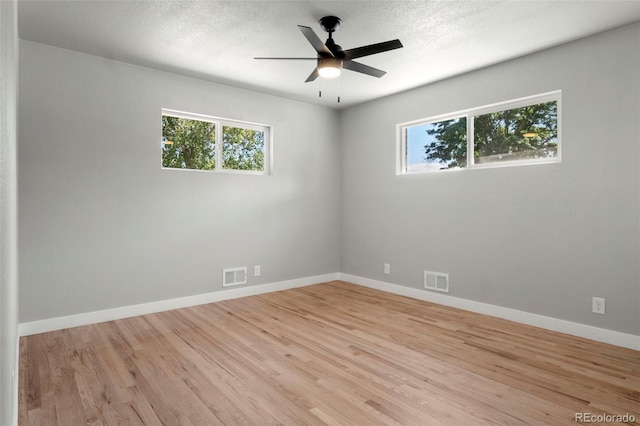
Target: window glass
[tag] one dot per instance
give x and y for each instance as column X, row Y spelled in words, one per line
column 242, row 148
column 525, row 133
column 518, row 132
column 198, row 142
column 439, row 145
column 188, row 143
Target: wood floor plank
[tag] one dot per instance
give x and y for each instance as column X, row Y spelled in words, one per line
column 327, row 354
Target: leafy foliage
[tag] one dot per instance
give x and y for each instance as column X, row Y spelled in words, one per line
column 191, row 144
column 242, row 149
column 527, row 132
column 188, row 144
column 450, row 145
column 520, row 133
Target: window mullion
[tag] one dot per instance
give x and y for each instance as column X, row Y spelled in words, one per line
column 403, row 148
column 470, row 141
column 218, row 146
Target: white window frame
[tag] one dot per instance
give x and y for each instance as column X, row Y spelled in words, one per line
column 401, row 133
column 219, row 123
column 402, row 138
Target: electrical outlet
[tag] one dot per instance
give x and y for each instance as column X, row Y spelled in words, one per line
column 597, row 305
column 256, row 271
column 387, row 268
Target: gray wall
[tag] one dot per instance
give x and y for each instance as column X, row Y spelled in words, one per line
column 8, row 209
column 103, row 226
column 541, row 239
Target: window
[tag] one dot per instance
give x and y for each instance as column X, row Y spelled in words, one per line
column 242, row 148
column 437, row 145
column 197, row 142
column 188, row 143
column 519, row 132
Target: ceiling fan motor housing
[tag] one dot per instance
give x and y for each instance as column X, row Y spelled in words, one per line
column 330, row 24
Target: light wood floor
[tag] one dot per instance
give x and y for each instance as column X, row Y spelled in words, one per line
column 332, row 353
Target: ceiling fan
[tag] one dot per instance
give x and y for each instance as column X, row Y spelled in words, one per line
column 330, row 56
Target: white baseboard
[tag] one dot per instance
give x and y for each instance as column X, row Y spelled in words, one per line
column 581, row 330
column 58, row 323
column 575, row 329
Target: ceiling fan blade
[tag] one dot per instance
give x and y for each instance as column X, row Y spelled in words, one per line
column 286, row 59
column 314, row 40
column 372, row 49
column 362, row 68
column 312, row 76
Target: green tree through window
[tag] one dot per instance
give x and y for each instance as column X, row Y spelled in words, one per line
column 449, row 146
column 242, row 149
column 209, row 143
column 529, row 132
column 525, row 133
column 188, row 144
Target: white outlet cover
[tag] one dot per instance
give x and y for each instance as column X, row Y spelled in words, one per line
column 598, row 305
column 256, row 271
column 387, row 268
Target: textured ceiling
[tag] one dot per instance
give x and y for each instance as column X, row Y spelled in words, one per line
column 217, row 40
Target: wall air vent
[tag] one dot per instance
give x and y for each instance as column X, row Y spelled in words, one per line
column 438, row 281
column 234, row 276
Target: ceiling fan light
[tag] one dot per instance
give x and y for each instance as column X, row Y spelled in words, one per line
column 329, row 67
column 329, row 72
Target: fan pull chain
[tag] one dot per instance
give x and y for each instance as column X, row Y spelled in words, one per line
column 339, row 88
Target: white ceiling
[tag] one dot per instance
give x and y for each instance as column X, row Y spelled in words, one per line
column 217, row 40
